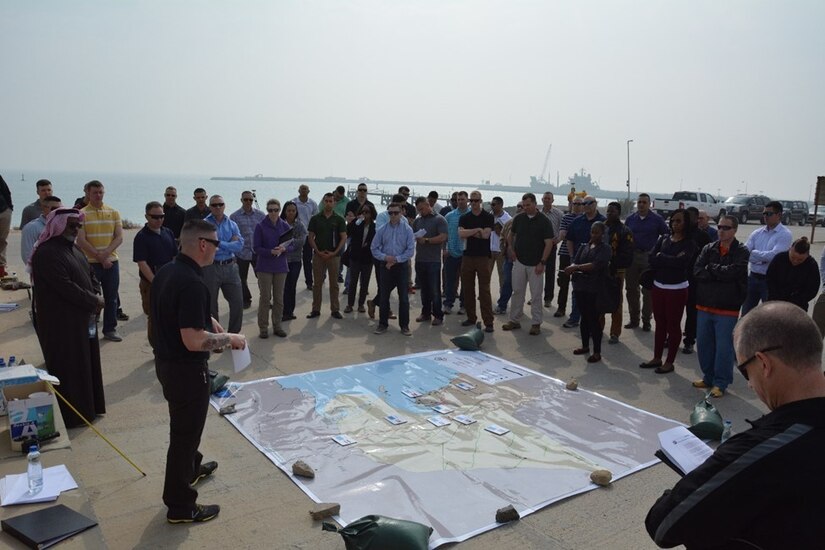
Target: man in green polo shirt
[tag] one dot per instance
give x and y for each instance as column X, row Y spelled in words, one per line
column 327, row 237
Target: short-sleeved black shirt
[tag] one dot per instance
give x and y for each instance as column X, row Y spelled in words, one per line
column 179, row 299
column 529, row 234
column 476, row 246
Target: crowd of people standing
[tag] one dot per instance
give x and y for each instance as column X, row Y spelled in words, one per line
column 692, row 281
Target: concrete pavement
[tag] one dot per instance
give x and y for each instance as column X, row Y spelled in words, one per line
column 261, row 507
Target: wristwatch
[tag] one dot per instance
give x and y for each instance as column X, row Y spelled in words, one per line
column 426, row 240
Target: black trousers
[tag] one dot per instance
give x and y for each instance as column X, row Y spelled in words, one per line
column 243, row 271
column 690, row 316
column 359, row 280
column 550, row 276
column 306, row 256
column 590, row 326
column 564, row 282
column 186, row 390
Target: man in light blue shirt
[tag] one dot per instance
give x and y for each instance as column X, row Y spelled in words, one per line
column 247, row 217
column 393, row 247
column 33, row 229
column 765, row 243
column 223, row 273
column 306, row 209
column 453, row 253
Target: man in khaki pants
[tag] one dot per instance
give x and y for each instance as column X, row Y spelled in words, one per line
column 327, row 236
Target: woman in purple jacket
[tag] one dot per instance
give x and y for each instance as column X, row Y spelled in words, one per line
column 271, row 247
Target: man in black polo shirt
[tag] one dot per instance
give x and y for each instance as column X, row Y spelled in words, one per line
column 184, row 334
column 475, row 227
column 200, row 210
column 153, row 248
column 175, row 214
column 530, row 242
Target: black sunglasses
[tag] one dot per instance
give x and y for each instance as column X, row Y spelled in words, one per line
column 216, row 205
column 588, row 203
column 215, row 242
column 273, row 209
column 724, row 227
column 475, row 200
column 744, row 364
column 768, row 214
column 157, row 216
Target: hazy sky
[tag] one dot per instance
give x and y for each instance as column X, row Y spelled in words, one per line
column 713, row 93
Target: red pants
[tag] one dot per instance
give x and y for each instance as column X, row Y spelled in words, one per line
column 668, row 306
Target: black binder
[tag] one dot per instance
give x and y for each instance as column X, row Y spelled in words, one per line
column 46, row 527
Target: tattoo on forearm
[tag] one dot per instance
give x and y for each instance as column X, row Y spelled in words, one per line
column 215, row 341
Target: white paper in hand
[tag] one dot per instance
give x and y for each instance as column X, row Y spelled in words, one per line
column 420, row 233
column 241, row 358
column 683, row 448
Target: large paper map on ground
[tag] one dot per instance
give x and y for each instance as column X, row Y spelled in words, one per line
column 455, row 476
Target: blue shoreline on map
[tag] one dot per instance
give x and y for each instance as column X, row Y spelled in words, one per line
column 419, row 373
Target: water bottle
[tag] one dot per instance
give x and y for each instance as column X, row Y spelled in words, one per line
column 35, row 471
column 726, row 430
column 12, row 360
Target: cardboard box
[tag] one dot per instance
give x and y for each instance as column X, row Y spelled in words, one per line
column 32, row 410
column 10, row 376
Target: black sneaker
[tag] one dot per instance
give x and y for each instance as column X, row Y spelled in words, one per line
column 207, row 469
column 201, row 513
column 122, row 316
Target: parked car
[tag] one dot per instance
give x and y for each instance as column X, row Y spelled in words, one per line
column 684, row 199
column 794, row 212
column 746, row 207
column 816, row 216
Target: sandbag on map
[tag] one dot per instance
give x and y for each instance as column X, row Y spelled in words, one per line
column 379, row 532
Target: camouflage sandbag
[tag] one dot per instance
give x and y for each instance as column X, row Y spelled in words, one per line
column 380, row 533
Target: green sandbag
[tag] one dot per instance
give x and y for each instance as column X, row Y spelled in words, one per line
column 705, row 421
column 470, row 340
column 380, row 533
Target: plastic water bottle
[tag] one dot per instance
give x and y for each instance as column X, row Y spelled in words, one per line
column 12, row 360
column 35, row 471
column 726, row 430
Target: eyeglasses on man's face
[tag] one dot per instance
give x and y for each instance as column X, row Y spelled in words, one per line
column 214, row 242
column 588, row 203
column 216, row 205
column 724, row 227
column 273, row 210
column 768, row 213
column 157, row 216
column 475, row 200
column 393, row 212
column 743, row 366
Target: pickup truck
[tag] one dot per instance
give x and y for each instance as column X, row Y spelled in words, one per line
column 684, row 199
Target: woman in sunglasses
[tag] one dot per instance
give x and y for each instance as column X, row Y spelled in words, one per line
column 271, row 242
column 721, row 278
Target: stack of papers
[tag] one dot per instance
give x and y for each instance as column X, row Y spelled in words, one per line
column 14, row 489
column 685, row 451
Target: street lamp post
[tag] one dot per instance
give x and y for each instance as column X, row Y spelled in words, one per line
column 628, row 169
